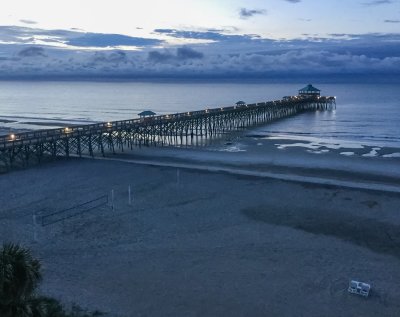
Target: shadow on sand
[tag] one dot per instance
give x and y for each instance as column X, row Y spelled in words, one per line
column 368, row 233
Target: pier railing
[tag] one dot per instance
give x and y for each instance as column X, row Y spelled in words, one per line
column 168, row 129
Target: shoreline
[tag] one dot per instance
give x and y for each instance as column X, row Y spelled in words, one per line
column 249, row 154
column 277, row 158
column 372, row 185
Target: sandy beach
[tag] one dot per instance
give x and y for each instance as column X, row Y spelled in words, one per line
column 253, row 231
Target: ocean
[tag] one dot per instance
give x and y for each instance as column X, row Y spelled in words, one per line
column 366, row 113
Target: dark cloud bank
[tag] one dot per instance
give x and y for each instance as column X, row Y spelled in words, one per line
column 378, row 2
column 248, row 13
column 340, row 57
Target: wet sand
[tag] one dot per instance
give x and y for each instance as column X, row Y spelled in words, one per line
column 203, row 242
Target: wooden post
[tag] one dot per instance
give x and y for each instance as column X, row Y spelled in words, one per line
column 112, row 199
column 35, row 235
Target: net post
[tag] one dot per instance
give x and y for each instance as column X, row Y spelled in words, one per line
column 35, row 234
column 129, row 196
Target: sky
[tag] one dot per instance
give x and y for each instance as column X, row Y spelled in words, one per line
column 199, row 38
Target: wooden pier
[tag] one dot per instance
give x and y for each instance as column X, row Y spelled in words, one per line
column 186, row 128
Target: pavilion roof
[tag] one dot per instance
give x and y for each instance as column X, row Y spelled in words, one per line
column 310, row 88
column 240, row 102
column 146, row 113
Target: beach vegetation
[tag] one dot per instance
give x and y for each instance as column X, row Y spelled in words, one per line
column 20, row 276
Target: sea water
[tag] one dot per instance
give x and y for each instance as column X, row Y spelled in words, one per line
column 365, row 113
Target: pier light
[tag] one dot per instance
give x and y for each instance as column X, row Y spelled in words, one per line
column 188, row 113
column 67, row 130
column 207, row 110
column 167, row 116
column 222, row 109
column 12, row 137
column 109, row 124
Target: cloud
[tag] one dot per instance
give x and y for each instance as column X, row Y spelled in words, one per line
column 113, row 57
column 297, row 62
column 225, row 29
column 188, row 53
column 165, row 31
column 213, row 35
column 246, row 13
column 32, row 52
column 160, row 57
column 27, row 21
column 182, row 54
column 300, row 62
column 392, row 21
column 293, row 1
column 107, row 40
column 20, row 34
column 377, row 2
column 73, row 37
column 228, row 56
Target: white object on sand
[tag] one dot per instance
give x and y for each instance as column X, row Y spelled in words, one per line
column 359, row 288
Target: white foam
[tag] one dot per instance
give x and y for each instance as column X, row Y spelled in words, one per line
column 392, row 155
column 373, row 153
column 314, row 143
column 310, row 146
column 232, row 149
column 347, row 153
column 317, row 152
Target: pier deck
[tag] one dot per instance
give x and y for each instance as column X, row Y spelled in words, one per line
column 24, row 149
